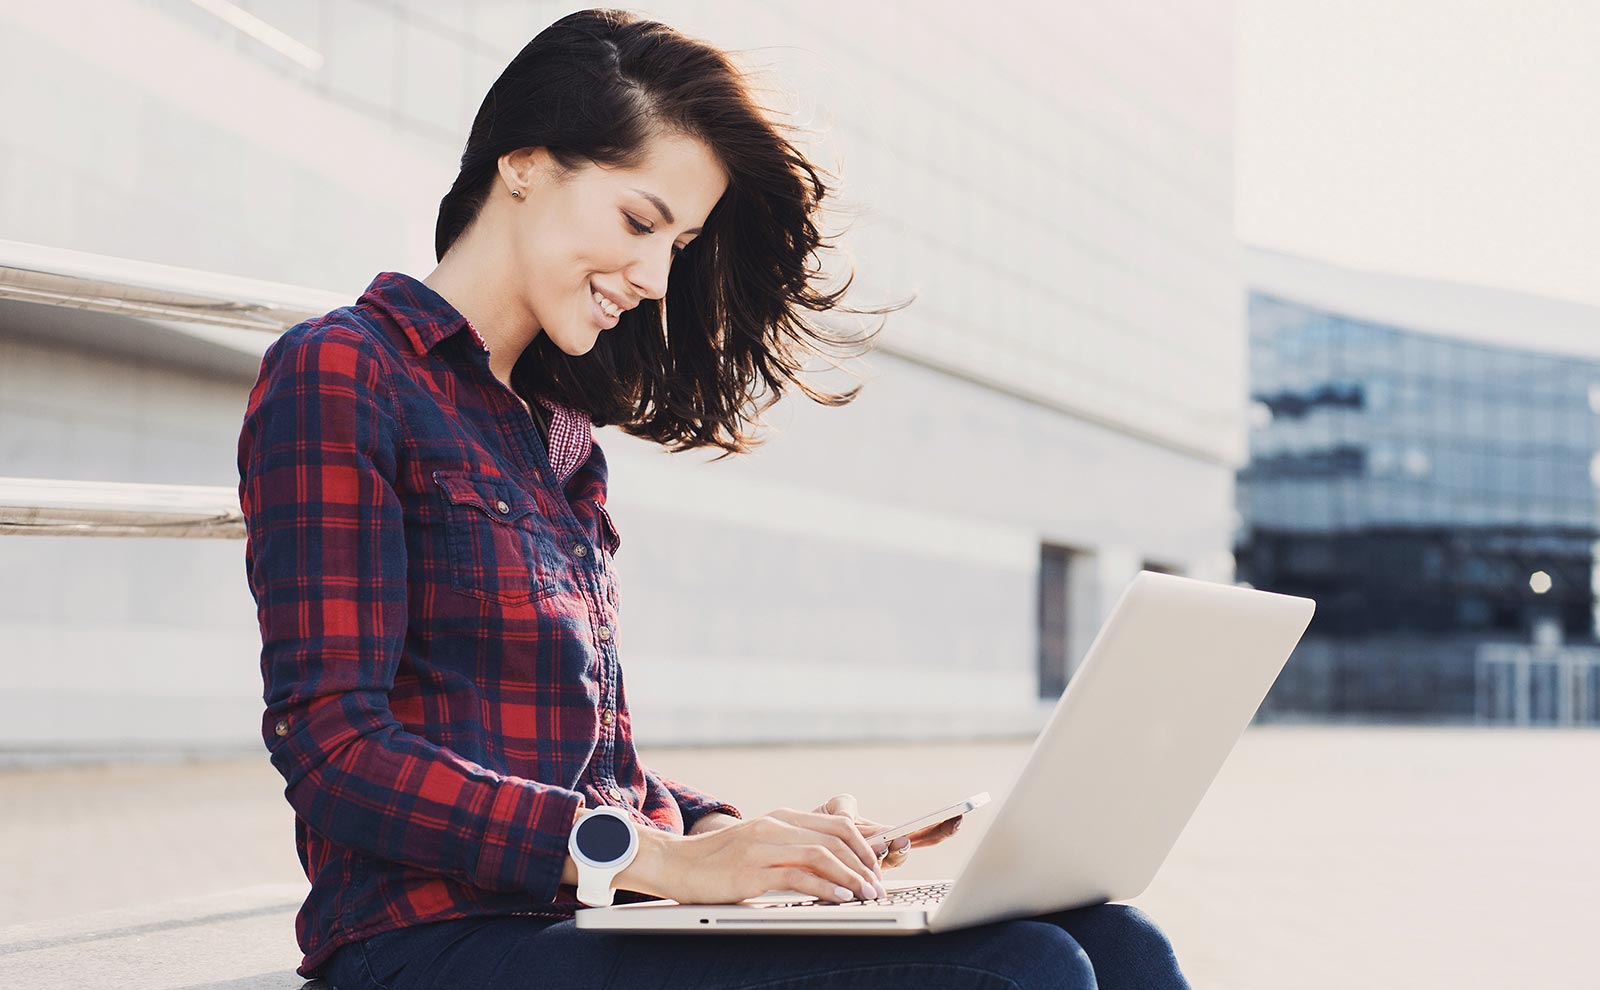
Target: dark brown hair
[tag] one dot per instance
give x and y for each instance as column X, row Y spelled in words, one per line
column 685, row 371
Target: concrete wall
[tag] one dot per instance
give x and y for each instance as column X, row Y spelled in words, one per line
column 1057, row 191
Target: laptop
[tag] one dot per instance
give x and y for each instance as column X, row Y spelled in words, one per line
column 1166, row 689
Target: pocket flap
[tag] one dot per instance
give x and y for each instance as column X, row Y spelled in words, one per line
column 498, row 498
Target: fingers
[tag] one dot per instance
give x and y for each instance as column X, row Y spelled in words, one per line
column 822, row 864
column 827, row 856
column 899, row 852
column 796, row 878
column 840, row 835
column 845, row 805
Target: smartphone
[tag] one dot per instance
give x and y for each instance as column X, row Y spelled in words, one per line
column 932, row 818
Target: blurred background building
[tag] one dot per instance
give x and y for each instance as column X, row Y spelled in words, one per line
column 1062, row 405
column 1425, row 463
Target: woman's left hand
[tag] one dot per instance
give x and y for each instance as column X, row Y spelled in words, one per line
column 845, row 804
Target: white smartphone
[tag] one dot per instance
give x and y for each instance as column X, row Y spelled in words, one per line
column 932, row 818
column 889, row 835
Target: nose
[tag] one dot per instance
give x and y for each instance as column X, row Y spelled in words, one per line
column 649, row 273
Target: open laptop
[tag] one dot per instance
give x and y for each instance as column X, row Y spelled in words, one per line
column 1166, row 689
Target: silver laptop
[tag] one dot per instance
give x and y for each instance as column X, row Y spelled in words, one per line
column 1166, row 689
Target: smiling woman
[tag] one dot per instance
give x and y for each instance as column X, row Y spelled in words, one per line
column 640, row 236
column 630, row 241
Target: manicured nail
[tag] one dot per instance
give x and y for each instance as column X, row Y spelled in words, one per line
column 867, row 893
column 843, row 893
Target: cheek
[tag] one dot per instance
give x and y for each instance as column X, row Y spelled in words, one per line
column 602, row 247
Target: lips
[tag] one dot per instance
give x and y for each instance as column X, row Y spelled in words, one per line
column 618, row 301
column 600, row 317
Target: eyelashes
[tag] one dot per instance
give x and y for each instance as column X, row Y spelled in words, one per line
column 640, row 228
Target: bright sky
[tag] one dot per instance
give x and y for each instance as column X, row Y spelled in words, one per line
column 1455, row 139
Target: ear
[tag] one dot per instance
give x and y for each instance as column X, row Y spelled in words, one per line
column 527, row 168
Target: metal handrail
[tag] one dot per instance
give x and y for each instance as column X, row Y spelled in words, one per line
column 42, row 507
column 53, row 276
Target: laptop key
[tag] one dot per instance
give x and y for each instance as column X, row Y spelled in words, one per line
column 926, row 894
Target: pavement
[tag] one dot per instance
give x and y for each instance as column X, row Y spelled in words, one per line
column 1322, row 857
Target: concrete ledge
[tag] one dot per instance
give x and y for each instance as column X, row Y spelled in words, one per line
column 237, row 940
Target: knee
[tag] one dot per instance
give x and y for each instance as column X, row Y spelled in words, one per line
column 1136, row 930
column 1034, row 954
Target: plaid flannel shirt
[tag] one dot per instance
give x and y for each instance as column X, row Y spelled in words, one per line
column 438, row 615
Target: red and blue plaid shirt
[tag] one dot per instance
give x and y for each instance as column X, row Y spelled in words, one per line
column 438, row 616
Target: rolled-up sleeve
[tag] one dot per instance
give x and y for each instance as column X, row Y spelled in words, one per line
column 325, row 556
column 692, row 803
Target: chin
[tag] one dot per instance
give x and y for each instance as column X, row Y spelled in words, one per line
column 576, row 348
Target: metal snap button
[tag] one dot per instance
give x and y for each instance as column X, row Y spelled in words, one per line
column 608, row 716
column 503, row 507
column 282, row 728
column 605, row 632
column 580, row 549
column 616, row 795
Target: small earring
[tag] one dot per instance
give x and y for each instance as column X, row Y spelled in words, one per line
column 516, row 192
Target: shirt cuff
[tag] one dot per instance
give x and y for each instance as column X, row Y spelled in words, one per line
column 525, row 844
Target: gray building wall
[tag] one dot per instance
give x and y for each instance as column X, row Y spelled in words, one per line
column 1072, row 373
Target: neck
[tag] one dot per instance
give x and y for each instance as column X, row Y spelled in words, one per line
column 477, row 292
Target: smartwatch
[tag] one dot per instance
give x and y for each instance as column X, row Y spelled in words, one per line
column 603, row 842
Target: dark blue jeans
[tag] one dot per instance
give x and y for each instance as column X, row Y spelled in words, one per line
column 1109, row 946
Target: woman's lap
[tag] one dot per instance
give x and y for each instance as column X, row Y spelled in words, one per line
column 1109, row 946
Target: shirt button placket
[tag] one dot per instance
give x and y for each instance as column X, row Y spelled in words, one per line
column 608, row 715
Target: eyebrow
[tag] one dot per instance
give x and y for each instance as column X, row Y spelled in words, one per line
column 661, row 204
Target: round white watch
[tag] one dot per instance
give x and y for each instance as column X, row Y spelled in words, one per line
column 603, row 842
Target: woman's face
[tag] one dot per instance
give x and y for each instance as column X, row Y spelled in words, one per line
column 611, row 230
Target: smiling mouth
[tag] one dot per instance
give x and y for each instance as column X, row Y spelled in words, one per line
column 603, row 318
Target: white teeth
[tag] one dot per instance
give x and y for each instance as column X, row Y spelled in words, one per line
column 606, row 306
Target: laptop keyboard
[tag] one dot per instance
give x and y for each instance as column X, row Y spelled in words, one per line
column 926, row 895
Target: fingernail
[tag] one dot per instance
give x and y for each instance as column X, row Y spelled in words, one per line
column 843, row 894
column 867, row 893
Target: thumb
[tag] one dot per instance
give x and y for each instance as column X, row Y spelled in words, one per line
column 839, row 804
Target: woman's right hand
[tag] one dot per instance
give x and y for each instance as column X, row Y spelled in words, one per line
column 784, row 849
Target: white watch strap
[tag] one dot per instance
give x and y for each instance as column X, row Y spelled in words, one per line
column 594, row 885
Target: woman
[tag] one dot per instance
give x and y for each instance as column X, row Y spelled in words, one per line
column 431, row 555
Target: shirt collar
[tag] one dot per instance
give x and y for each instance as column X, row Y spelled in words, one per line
column 421, row 313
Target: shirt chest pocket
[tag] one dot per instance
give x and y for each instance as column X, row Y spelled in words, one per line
column 496, row 541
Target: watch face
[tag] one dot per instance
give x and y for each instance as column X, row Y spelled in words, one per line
column 603, row 838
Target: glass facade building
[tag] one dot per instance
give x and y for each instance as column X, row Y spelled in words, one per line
column 1434, row 494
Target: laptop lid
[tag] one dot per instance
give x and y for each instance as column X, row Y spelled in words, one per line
column 1166, row 689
